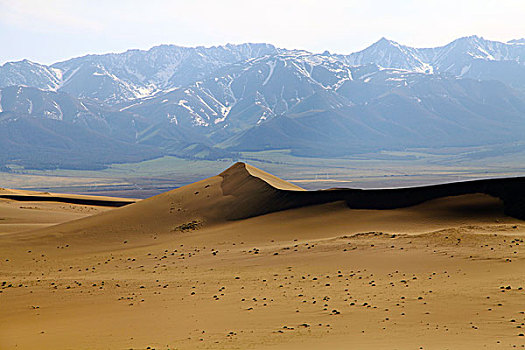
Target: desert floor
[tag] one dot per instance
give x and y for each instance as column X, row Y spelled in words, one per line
column 445, row 274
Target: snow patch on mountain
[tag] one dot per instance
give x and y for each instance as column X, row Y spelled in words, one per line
column 270, row 64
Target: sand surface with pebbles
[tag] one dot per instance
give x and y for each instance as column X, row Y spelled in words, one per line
column 231, row 262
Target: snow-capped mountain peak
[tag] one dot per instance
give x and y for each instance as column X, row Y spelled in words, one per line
column 28, row 73
column 210, row 101
column 133, row 74
column 390, row 54
column 517, row 41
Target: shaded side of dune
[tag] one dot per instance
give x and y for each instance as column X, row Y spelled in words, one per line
column 239, row 182
column 242, row 192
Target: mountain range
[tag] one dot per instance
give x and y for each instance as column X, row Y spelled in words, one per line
column 217, row 102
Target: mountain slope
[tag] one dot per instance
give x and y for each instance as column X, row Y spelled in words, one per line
column 45, row 129
column 211, row 103
column 395, row 111
column 132, row 74
column 29, row 73
column 244, row 94
column 470, row 57
column 389, row 54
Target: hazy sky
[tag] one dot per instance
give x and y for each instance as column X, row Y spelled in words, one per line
column 50, row 30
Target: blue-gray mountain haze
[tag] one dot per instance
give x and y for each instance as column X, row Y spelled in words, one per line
column 214, row 102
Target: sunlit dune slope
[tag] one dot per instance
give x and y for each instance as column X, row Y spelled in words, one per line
column 244, row 260
column 243, row 191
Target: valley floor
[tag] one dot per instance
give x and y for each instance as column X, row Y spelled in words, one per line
column 378, row 170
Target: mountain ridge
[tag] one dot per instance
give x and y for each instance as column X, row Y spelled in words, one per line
column 214, row 102
column 414, row 59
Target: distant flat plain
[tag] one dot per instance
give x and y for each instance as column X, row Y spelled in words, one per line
column 378, row 170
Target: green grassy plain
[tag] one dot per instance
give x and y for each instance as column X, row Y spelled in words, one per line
column 378, row 170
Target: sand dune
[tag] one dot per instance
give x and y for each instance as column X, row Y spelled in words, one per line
column 33, row 196
column 245, row 260
column 29, row 210
column 243, row 191
column 234, row 194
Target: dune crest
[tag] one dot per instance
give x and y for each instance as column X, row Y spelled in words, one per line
column 239, row 192
column 270, row 179
column 243, row 191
